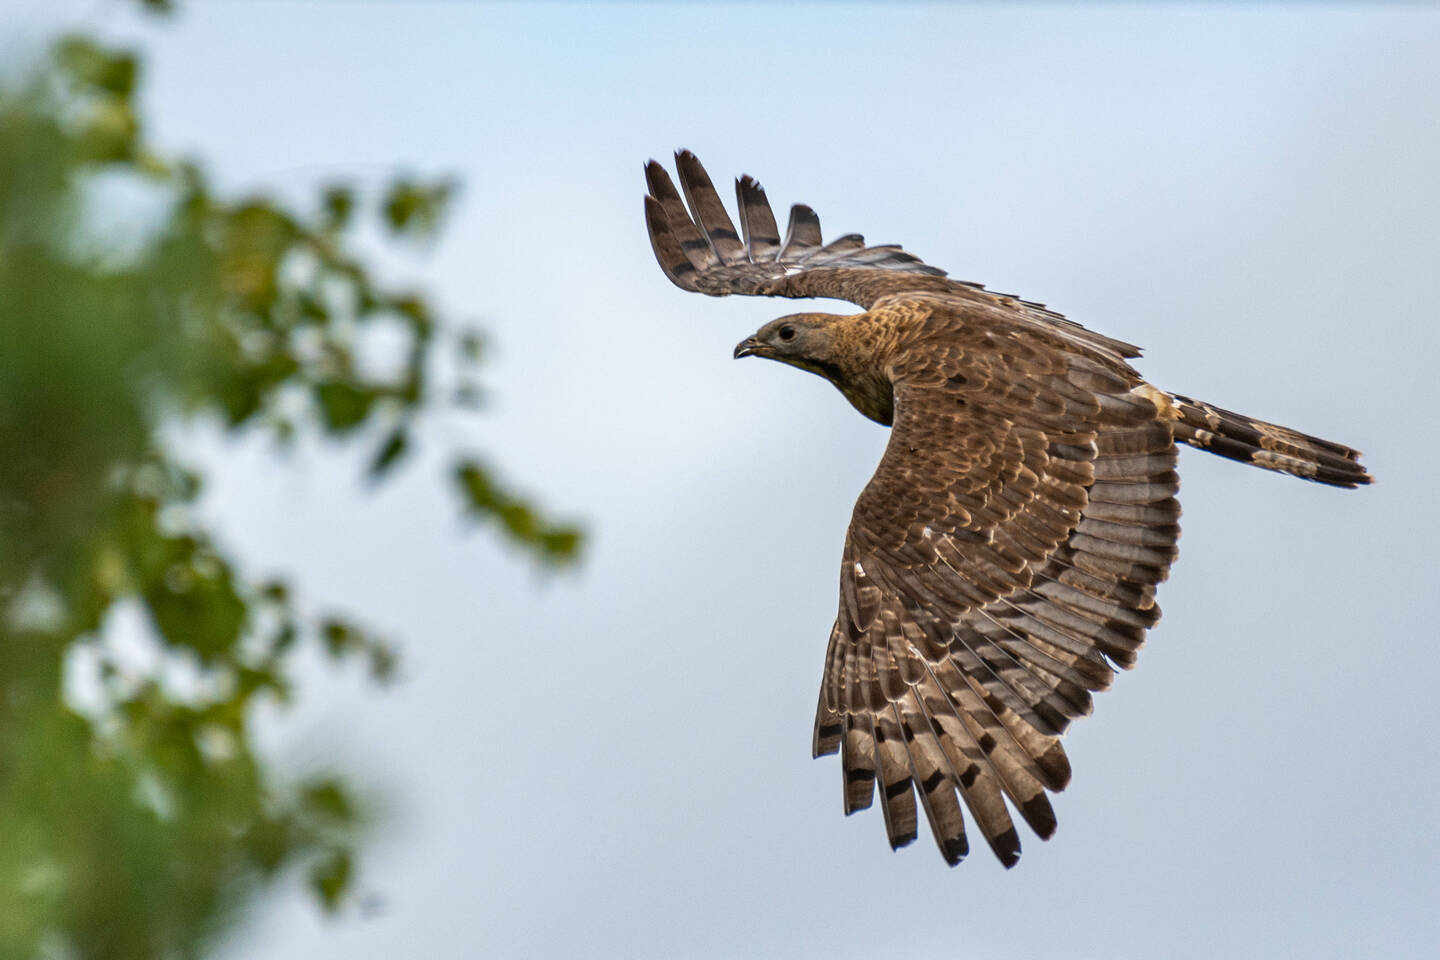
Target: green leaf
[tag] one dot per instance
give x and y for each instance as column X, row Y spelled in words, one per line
column 339, row 637
column 270, row 842
column 414, row 209
column 390, row 452
column 561, row 544
column 330, row 800
column 556, row 545
column 384, row 662
column 94, row 68
column 330, row 878
column 193, row 605
column 343, row 405
column 339, row 204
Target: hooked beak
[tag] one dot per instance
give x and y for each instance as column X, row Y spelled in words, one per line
column 748, row 347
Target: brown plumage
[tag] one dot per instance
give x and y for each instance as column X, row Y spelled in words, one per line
column 1002, row 562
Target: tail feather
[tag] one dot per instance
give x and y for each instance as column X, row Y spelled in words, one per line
column 1267, row 445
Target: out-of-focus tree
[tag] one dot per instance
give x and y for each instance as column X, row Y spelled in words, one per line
column 139, row 823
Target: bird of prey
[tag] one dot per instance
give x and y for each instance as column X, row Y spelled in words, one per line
column 1002, row 562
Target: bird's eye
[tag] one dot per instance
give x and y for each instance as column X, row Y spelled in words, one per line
column 787, row 333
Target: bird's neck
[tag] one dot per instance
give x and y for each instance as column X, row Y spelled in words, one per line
column 862, row 371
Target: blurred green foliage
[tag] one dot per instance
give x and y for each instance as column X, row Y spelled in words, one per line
column 138, row 823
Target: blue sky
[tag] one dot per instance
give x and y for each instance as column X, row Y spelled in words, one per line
column 616, row 763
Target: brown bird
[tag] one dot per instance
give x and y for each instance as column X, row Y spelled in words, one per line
column 1002, row 562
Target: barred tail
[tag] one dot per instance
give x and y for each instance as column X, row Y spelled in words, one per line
column 1238, row 437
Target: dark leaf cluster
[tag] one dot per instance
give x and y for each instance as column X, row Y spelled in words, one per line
column 137, row 813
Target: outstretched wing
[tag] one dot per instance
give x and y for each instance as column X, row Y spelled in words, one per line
column 699, row 250
column 999, row 566
column 704, row 253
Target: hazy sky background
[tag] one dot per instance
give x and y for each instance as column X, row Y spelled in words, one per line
column 616, row 763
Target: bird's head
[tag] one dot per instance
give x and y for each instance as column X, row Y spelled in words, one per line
column 804, row 340
column 842, row 349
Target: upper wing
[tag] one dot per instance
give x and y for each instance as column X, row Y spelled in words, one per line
column 998, row 564
column 705, row 254
column 699, row 250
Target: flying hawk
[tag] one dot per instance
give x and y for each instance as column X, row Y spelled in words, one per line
column 1002, row 562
